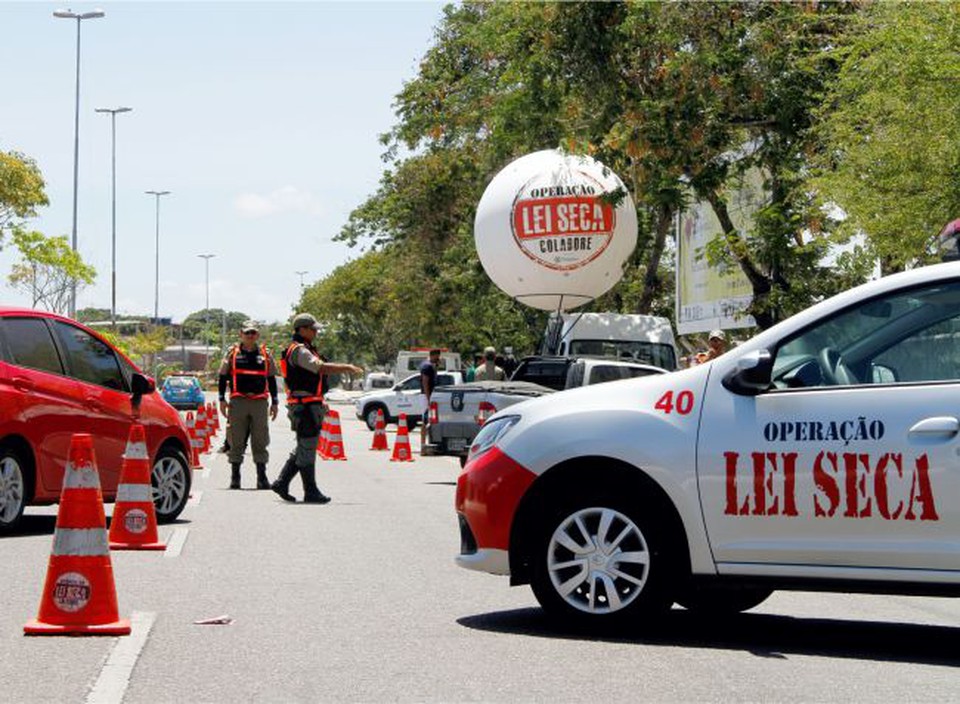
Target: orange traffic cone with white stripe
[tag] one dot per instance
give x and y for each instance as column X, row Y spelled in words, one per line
column 380, row 433
column 134, row 522
column 401, row 447
column 324, row 438
column 334, row 448
column 214, row 416
column 202, row 429
column 79, row 596
column 196, row 444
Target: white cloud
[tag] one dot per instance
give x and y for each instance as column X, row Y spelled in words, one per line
column 288, row 199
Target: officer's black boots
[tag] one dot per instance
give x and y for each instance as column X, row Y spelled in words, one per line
column 282, row 486
column 234, row 476
column 262, row 481
column 312, row 494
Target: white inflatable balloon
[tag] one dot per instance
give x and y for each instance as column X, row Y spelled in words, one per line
column 545, row 237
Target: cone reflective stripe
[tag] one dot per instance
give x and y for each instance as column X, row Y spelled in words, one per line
column 324, row 438
column 134, row 523
column 401, row 447
column 79, row 596
column 213, row 417
column 202, row 433
column 196, row 444
column 380, row 433
column 334, row 447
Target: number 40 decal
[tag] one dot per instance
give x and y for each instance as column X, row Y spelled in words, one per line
column 683, row 403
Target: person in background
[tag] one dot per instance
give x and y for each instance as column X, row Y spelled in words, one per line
column 717, row 344
column 428, row 382
column 249, row 372
column 509, row 362
column 489, row 371
column 470, row 372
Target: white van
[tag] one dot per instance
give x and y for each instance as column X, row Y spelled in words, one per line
column 640, row 338
column 409, row 361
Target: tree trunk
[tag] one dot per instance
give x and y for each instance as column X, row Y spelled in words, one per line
column 651, row 280
column 761, row 284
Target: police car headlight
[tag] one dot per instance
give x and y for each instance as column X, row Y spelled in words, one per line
column 490, row 434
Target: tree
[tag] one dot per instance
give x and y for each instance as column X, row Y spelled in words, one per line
column 21, row 191
column 890, row 131
column 49, row 269
column 208, row 324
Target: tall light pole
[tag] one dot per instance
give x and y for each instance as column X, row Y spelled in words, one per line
column 206, row 311
column 301, row 273
column 79, row 17
column 156, row 288
column 113, row 206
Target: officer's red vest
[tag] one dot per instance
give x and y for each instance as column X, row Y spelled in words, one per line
column 299, row 379
column 249, row 378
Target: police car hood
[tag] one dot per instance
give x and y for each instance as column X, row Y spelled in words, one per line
column 636, row 420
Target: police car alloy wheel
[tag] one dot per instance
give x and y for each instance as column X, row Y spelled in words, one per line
column 601, row 561
column 171, row 484
column 13, row 489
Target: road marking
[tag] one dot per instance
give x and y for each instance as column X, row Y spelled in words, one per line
column 114, row 677
column 175, row 544
column 194, row 499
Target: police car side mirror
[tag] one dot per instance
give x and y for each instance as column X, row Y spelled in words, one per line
column 752, row 375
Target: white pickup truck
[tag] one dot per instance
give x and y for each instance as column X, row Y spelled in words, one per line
column 404, row 397
column 458, row 412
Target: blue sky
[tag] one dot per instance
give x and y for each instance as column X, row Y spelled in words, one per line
column 261, row 118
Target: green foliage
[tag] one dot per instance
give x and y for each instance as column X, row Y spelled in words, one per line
column 207, row 325
column 48, row 269
column 90, row 314
column 891, row 130
column 21, row 191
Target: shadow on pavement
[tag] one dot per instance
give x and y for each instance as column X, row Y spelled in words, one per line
column 34, row 525
column 760, row 634
column 440, row 483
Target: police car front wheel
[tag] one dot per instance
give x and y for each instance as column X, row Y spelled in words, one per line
column 600, row 561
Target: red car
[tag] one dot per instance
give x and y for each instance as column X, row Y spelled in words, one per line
column 58, row 378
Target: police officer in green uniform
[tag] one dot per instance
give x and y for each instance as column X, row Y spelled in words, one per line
column 303, row 372
column 249, row 372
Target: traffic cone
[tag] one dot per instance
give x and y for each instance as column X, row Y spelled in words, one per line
column 380, row 433
column 196, row 444
column 202, row 429
column 334, row 448
column 324, row 438
column 134, row 522
column 79, row 596
column 214, row 416
column 401, row 447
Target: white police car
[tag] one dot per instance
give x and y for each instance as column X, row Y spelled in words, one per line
column 822, row 454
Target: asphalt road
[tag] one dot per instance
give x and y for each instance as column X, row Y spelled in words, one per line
column 360, row 600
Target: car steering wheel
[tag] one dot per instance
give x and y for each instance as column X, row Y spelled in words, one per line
column 835, row 372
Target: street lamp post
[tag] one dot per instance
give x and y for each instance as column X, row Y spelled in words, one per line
column 156, row 289
column 79, row 17
column 113, row 205
column 206, row 311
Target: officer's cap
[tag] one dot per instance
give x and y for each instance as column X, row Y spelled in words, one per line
column 717, row 334
column 305, row 320
column 249, row 326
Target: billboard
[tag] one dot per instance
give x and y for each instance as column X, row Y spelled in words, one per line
column 706, row 298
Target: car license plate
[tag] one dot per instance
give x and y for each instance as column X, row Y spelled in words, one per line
column 456, row 444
